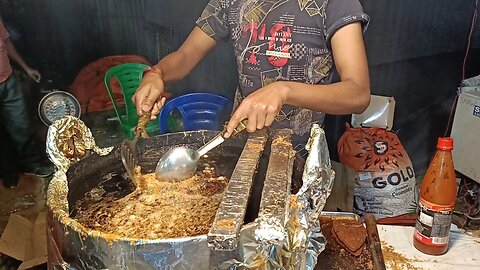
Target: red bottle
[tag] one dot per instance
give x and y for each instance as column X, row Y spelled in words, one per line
column 438, row 194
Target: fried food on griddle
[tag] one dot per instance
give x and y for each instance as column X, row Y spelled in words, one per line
column 350, row 234
column 159, row 209
column 72, row 144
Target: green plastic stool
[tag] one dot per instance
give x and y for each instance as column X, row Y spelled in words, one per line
column 129, row 76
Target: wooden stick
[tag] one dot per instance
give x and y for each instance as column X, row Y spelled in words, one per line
column 374, row 243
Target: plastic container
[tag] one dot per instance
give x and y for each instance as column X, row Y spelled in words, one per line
column 438, row 194
column 194, row 111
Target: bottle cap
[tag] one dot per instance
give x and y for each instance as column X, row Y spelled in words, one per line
column 445, row 144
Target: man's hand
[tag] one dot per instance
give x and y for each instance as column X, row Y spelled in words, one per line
column 148, row 97
column 260, row 108
column 171, row 68
column 34, row 74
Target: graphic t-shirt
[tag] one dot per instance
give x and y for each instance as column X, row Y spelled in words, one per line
column 5, row 68
column 282, row 40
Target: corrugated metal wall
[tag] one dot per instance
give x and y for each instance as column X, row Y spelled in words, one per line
column 70, row 34
column 415, row 50
column 406, row 29
column 217, row 72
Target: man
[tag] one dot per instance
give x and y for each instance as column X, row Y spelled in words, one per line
column 289, row 53
column 14, row 118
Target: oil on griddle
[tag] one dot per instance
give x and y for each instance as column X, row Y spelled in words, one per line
column 156, row 209
column 336, row 257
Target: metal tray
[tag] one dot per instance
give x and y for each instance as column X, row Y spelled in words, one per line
column 333, row 257
column 56, row 105
column 340, row 215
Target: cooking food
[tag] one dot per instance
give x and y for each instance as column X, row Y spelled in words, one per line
column 157, row 209
column 336, row 256
column 181, row 162
column 72, row 144
column 350, row 234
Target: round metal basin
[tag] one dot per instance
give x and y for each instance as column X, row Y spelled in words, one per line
column 72, row 246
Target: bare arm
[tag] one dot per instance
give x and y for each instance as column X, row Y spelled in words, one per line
column 350, row 95
column 178, row 64
column 15, row 56
column 172, row 68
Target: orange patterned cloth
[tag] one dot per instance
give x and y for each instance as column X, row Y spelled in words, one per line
column 89, row 87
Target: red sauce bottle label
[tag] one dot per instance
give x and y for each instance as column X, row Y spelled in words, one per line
column 433, row 223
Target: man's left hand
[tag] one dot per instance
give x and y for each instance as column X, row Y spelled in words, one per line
column 259, row 108
column 34, row 74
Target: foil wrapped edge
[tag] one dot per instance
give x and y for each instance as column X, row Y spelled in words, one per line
column 304, row 241
column 318, row 177
column 57, row 192
column 58, row 129
column 144, row 254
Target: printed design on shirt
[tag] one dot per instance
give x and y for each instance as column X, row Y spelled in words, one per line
column 275, row 40
column 272, row 42
column 264, row 41
column 312, row 8
column 283, row 115
column 270, row 76
column 310, row 31
column 236, row 32
column 279, row 45
column 255, row 12
column 296, row 73
column 298, row 123
column 319, row 67
column 245, row 80
column 298, row 51
column 213, row 9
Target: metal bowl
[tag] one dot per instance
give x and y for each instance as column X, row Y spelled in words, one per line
column 78, row 247
column 56, row 105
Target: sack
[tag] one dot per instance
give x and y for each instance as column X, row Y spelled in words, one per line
column 384, row 177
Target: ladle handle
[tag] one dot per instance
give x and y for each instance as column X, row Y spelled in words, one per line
column 217, row 140
column 240, row 127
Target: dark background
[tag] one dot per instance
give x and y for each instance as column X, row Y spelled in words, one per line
column 415, row 51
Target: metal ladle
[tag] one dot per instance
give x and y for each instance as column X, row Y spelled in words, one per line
column 180, row 163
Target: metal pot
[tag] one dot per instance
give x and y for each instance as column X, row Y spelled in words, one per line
column 285, row 235
column 72, row 246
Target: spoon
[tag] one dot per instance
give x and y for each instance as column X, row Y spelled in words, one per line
column 181, row 163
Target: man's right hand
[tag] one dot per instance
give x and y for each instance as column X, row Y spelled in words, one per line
column 149, row 96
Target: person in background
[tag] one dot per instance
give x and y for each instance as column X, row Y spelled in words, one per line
column 17, row 133
column 289, row 54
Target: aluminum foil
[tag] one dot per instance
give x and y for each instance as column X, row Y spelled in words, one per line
column 318, row 175
column 82, row 248
column 274, row 206
column 304, row 239
column 318, row 178
column 69, row 140
column 230, row 215
column 57, row 192
column 72, row 246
